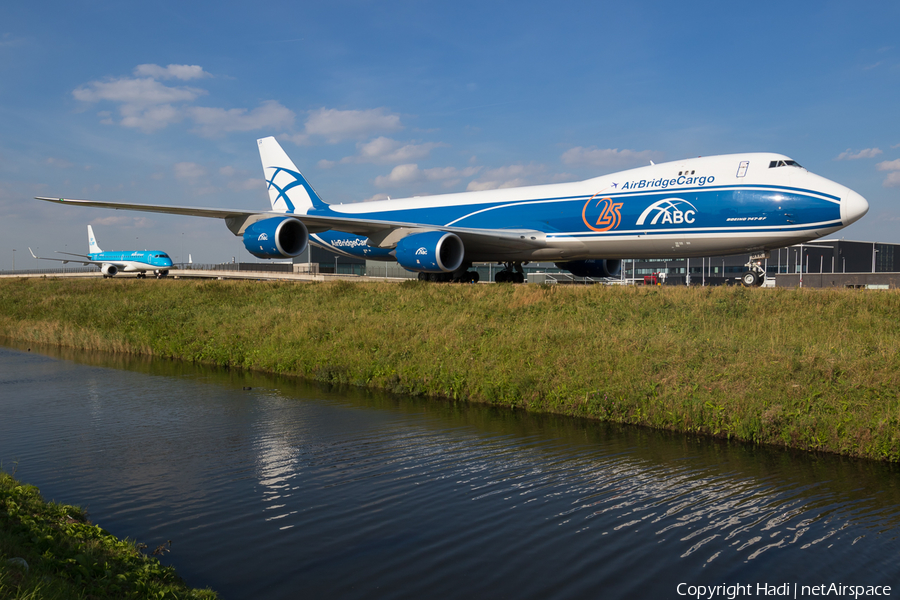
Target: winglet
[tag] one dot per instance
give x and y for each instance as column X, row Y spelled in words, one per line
column 32, row 251
column 289, row 192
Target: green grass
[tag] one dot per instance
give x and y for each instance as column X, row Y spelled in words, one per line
column 65, row 556
column 810, row 369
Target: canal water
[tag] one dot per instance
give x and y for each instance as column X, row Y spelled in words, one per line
column 274, row 488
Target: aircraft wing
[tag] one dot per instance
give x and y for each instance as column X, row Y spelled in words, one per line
column 215, row 213
column 85, row 260
column 474, row 239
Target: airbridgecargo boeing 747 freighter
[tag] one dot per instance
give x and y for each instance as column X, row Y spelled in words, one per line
column 732, row 204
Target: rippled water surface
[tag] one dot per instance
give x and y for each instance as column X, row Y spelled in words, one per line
column 270, row 487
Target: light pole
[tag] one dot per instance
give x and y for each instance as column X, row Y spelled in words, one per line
column 14, row 259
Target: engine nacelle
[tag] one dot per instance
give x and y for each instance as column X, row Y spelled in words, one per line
column 109, row 270
column 430, row 252
column 592, row 267
column 278, row 237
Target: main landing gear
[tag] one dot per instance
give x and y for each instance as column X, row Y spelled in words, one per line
column 159, row 274
column 461, row 275
column 512, row 273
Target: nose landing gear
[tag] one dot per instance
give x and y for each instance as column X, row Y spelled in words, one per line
column 755, row 275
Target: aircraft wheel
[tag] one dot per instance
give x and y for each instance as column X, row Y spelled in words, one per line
column 750, row 279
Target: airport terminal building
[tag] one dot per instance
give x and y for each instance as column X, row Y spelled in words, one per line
column 821, row 263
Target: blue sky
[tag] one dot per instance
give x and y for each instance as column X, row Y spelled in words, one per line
column 161, row 103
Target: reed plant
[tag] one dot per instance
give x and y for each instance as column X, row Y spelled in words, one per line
column 813, row 369
column 50, row 550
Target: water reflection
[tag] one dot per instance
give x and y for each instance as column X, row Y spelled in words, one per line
column 352, row 494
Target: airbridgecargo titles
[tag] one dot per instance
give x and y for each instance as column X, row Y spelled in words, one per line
column 714, row 205
column 664, row 183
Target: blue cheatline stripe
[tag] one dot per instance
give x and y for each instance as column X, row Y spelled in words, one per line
column 487, row 207
column 694, row 232
column 760, row 229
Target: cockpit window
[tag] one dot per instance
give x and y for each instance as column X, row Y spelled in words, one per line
column 784, row 163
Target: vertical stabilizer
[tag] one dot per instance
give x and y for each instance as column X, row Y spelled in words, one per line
column 289, row 192
column 93, row 248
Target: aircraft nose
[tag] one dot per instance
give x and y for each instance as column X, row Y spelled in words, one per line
column 853, row 207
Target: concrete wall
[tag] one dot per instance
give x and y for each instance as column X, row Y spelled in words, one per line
column 826, row 280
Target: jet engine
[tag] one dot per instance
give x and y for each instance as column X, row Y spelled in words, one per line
column 592, row 267
column 430, row 252
column 278, row 237
column 109, row 270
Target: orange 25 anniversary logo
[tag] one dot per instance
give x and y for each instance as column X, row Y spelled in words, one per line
column 609, row 213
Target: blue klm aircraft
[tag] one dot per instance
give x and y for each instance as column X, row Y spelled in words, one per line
column 139, row 261
column 717, row 205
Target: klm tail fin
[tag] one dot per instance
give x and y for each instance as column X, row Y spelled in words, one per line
column 289, row 192
column 92, row 242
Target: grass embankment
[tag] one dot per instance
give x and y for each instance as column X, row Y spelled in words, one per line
column 50, row 551
column 809, row 369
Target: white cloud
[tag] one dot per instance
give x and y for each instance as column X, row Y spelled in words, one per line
column 336, row 125
column 384, row 150
column 505, row 177
column 410, row 173
column 188, row 171
column 183, row 72
column 609, row 157
column 135, row 92
column 477, row 186
column 60, row 163
column 850, row 155
column 892, row 180
column 119, row 222
column 301, row 139
column 247, row 185
column 151, row 118
column 146, row 104
column 399, row 175
column 216, row 121
column 376, row 197
column 889, row 165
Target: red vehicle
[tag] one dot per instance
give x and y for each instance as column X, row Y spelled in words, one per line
column 651, row 279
